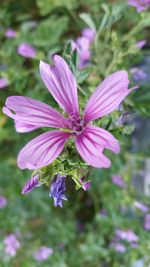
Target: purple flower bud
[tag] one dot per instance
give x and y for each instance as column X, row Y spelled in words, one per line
column 3, row 83
column 11, row 245
column 43, row 253
column 140, row 206
column 141, row 44
column 117, row 180
column 89, row 34
column 31, row 184
column 10, row 33
column 26, row 50
column 57, row 190
column 85, row 185
column 147, row 222
column 3, row 202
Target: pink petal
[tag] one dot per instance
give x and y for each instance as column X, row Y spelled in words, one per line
column 27, row 111
column 42, row 150
column 61, row 83
column 108, row 96
column 22, row 127
column 91, row 143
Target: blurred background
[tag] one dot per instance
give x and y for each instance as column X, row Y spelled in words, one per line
column 109, row 224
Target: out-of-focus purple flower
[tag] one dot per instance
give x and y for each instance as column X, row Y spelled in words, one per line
column 134, row 245
column 139, row 4
column 140, row 206
column 127, row 235
column 26, row 50
column 118, row 247
column 82, row 45
column 10, row 33
column 3, row 202
column 57, row 190
column 3, row 83
column 117, row 180
column 31, row 184
column 11, row 245
column 89, row 34
column 43, row 253
column 141, row 44
column 147, row 222
column 103, row 213
column 138, row 74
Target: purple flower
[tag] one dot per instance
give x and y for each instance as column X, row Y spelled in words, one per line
column 139, row 4
column 43, row 253
column 26, row 50
column 140, row 206
column 147, row 222
column 118, row 247
column 3, row 83
column 141, row 44
column 3, row 202
column 82, row 45
column 127, row 235
column 31, row 184
column 117, row 180
column 90, row 140
column 138, row 74
column 57, row 190
column 89, row 34
column 10, row 33
column 11, row 244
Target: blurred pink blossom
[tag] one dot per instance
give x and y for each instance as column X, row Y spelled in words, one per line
column 127, row 235
column 11, row 245
column 3, row 202
column 118, row 247
column 26, row 50
column 89, row 34
column 139, row 4
column 140, row 206
column 147, row 222
column 117, row 180
column 43, row 253
column 10, row 33
column 141, row 44
column 3, row 83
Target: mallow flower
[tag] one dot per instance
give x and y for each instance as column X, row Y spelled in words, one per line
column 139, row 4
column 58, row 189
column 90, row 140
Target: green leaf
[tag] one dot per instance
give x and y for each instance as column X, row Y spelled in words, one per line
column 88, row 20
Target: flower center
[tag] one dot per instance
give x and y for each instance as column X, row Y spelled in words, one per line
column 76, row 124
